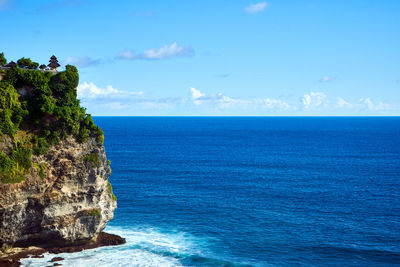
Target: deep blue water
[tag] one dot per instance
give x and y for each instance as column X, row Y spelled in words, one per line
column 273, row 191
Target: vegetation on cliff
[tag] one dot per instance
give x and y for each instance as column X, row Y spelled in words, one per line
column 38, row 109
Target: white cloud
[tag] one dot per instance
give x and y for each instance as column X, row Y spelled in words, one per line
column 81, row 62
column 91, row 91
column 341, row 103
column 327, row 79
column 369, row 104
column 271, row 103
column 114, row 101
column 255, row 8
column 196, row 94
column 164, row 52
column 218, row 100
column 314, row 99
column 222, row 101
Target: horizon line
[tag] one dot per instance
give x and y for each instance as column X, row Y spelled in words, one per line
column 255, row 116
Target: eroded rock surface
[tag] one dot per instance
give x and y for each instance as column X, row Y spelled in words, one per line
column 71, row 203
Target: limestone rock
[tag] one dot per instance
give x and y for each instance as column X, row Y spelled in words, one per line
column 71, row 204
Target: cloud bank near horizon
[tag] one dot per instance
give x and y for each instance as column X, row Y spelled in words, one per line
column 199, row 102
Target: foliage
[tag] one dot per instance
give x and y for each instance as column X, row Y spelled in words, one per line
column 111, row 191
column 54, row 98
column 41, row 168
column 3, row 60
column 92, row 158
column 96, row 212
column 22, row 156
column 14, row 167
column 6, row 163
column 50, row 109
column 11, row 109
column 27, row 63
column 40, row 145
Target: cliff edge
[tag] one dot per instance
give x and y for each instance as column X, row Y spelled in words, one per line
column 71, row 204
column 54, row 188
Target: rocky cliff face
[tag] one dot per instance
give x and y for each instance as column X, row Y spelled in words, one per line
column 65, row 198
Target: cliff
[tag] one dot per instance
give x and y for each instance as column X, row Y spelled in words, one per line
column 54, row 189
column 71, row 204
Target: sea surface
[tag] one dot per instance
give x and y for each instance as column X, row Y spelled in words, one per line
column 251, row 191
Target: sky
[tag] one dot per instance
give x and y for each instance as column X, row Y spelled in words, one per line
column 217, row 57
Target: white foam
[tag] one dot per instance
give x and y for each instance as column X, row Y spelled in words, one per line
column 135, row 257
column 145, row 247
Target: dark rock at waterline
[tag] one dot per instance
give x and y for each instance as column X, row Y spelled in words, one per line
column 9, row 263
column 57, row 259
column 103, row 239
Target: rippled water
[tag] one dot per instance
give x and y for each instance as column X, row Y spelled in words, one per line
column 251, row 192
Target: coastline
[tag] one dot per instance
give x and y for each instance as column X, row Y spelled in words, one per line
column 13, row 255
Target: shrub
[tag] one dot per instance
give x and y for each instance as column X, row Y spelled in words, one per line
column 41, row 168
column 40, row 145
column 5, row 163
column 96, row 212
column 22, row 156
column 111, row 191
column 11, row 110
column 92, row 158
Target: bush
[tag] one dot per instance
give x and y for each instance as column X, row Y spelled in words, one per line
column 40, row 145
column 14, row 167
column 22, row 156
column 41, row 168
column 92, row 158
column 5, row 163
column 111, row 191
column 96, row 212
column 11, row 110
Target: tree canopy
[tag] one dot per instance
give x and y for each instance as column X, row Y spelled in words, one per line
column 3, row 60
column 49, row 108
column 27, row 63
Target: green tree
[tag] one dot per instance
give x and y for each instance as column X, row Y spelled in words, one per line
column 11, row 111
column 24, row 62
column 34, row 65
column 3, row 60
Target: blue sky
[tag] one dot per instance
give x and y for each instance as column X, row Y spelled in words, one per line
column 214, row 57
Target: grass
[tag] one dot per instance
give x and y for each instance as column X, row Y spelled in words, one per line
column 41, row 168
column 92, row 158
column 13, row 176
column 96, row 212
column 111, row 191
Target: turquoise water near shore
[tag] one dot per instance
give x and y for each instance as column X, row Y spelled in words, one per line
column 251, row 191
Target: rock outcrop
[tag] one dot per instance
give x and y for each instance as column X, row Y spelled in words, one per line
column 68, row 200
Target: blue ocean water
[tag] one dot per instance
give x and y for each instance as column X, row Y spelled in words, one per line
column 251, row 191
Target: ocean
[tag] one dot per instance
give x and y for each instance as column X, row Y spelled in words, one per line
column 251, row 191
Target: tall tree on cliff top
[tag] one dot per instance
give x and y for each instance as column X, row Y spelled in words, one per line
column 24, row 62
column 3, row 60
